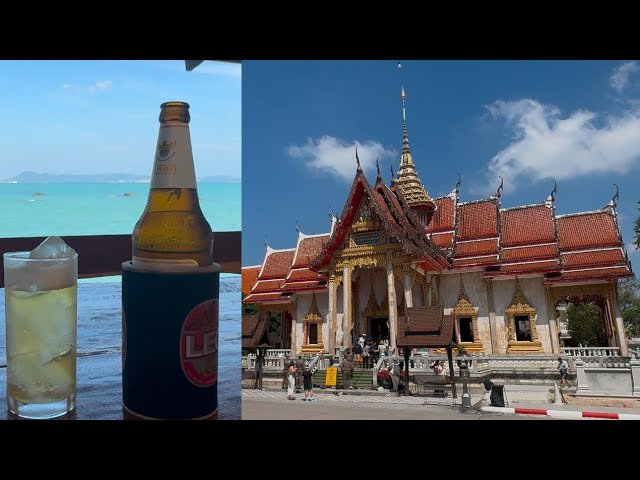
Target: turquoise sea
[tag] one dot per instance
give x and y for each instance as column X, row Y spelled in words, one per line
column 100, row 209
column 43, row 209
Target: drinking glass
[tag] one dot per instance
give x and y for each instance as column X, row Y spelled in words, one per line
column 41, row 332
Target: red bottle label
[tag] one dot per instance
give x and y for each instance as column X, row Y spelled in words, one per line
column 199, row 344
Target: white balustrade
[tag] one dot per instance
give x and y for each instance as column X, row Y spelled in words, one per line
column 591, row 351
column 278, row 352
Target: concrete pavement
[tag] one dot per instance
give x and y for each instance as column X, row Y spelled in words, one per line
column 273, row 405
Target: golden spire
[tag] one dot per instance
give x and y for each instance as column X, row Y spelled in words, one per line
column 408, row 180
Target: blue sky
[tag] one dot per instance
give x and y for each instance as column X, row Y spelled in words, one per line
column 91, row 117
column 528, row 121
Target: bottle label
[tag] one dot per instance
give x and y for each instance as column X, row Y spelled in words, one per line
column 173, row 164
column 199, row 344
column 164, row 263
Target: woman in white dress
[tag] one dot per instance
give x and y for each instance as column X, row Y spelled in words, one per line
column 292, row 382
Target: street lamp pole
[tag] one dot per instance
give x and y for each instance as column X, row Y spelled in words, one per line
column 464, row 375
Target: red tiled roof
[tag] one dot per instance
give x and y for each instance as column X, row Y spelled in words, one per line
column 293, row 286
column 530, row 253
column 301, row 274
column 530, row 266
column 596, row 273
column 258, row 297
column 386, row 212
column 596, row 229
column 308, row 249
column 249, row 276
column 527, row 226
column 443, row 240
column 477, row 220
column 476, row 248
column 468, row 261
column 593, row 258
column 278, row 264
column 443, row 217
column 267, row 285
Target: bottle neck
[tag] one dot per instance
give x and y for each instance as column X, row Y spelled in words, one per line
column 173, row 163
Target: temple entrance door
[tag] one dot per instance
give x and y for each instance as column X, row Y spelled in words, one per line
column 378, row 328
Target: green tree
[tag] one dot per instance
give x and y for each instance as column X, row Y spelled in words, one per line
column 629, row 302
column 585, row 326
column 248, row 308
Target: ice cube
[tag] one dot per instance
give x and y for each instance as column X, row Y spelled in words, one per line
column 52, row 247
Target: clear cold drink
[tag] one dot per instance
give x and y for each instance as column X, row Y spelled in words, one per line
column 41, row 332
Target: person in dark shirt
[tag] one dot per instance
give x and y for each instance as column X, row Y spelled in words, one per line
column 308, row 384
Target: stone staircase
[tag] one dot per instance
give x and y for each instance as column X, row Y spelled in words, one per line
column 361, row 378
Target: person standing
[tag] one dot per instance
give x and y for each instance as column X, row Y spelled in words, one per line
column 366, row 355
column 396, row 374
column 299, row 370
column 347, row 371
column 308, row 384
column 563, row 368
column 292, row 382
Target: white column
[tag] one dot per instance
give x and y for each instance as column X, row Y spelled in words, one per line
column 332, row 313
column 488, row 284
column 393, row 309
column 553, row 329
column 635, row 376
column 294, row 331
column 621, row 339
column 408, row 292
column 347, row 341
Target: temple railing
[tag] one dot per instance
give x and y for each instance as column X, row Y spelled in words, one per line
column 278, row 352
column 591, row 351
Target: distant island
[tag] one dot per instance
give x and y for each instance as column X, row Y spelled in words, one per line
column 34, row 177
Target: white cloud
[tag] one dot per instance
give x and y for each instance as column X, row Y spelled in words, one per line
column 338, row 157
column 620, row 77
column 547, row 145
column 99, row 85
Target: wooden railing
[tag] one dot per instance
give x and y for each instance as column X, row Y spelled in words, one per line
column 103, row 255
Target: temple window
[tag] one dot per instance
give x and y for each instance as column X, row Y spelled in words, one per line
column 523, row 328
column 466, row 329
column 521, row 318
column 312, row 325
column 466, row 323
column 312, row 330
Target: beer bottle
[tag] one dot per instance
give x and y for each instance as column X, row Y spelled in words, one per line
column 172, row 229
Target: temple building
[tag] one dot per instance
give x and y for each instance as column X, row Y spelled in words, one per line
column 506, row 275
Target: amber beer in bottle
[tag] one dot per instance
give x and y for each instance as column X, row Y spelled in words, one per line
column 172, row 228
column 170, row 290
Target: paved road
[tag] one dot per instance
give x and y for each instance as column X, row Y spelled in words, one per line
column 273, row 405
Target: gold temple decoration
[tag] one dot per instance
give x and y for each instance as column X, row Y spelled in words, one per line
column 312, row 317
column 373, row 308
column 464, row 309
column 408, row 181
column 520, row 307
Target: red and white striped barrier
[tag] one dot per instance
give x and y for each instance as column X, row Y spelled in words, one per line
column 562, row 413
